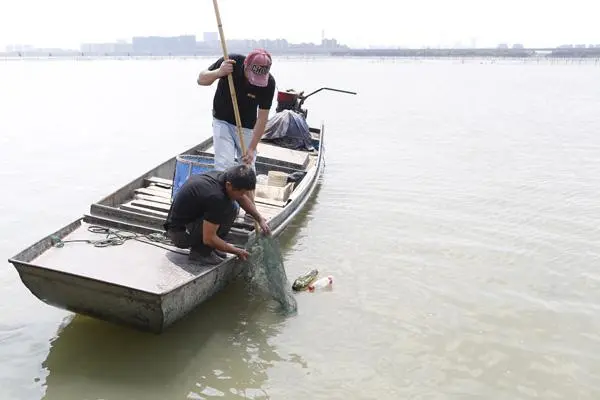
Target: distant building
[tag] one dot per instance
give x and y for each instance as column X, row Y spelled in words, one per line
column 329, row 43
column 503, row 46
column 164, row 45
column 211, row 41
column 277, row 44
column 518, row 46
column 188, row 45
column 241, row 45
column 106, row 48
column 19, row 47
column 211, row 36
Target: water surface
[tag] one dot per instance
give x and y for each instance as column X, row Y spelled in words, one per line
column 458, row 214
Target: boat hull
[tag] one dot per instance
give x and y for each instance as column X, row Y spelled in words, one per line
column 140, row 283
column 96, row 299
column 133, row 304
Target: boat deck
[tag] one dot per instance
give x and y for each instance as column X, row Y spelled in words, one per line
column 144, row 282
column 136, row 264
column 151, row 199
column 155, row 200
column 141, row 264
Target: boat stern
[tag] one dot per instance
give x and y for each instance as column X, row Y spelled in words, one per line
column 82, row 294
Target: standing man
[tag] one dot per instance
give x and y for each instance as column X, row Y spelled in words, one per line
column 255, row 88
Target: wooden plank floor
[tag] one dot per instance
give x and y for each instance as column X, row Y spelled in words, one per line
column 297, row 157
column 155, row 200
column 135, row 264
column 152, row 192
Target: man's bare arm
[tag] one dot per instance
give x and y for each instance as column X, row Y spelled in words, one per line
column 210, row 238
column 206, row 77
column 259, row 128
column 248, row 205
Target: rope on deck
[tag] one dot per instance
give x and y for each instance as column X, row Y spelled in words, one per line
column 118, row 237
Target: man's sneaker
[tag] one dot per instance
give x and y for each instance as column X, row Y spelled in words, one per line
column 211, row 259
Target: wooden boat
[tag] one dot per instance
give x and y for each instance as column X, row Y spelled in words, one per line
column 141, row 281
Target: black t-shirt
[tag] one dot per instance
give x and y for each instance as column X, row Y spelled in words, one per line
column 249, row 97
column 202, row 195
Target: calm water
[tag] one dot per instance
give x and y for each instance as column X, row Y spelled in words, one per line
column 459, row 215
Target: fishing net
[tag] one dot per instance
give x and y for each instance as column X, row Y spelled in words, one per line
column 266, row 273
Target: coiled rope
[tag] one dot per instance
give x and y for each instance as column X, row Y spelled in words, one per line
column 118, row 237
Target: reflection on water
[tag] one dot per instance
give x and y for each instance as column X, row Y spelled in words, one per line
column 292, row 233
column 220, row 349
column 458, row 215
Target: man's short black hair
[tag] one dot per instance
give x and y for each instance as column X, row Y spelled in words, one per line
column 241, row 177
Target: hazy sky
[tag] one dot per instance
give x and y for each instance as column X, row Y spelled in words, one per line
column 67, row 23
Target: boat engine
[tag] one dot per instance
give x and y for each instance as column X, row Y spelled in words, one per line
column 292, row 100
column 288, row 127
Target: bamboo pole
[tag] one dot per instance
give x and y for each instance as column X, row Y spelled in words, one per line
column 236, row 111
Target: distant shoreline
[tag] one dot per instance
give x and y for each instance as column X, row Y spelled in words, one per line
column 574, row 53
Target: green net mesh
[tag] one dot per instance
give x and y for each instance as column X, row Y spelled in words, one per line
column 266, row 273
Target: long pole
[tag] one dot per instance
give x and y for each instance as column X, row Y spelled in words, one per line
column 236, row 111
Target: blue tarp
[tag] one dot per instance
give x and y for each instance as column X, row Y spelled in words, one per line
column 289, row 129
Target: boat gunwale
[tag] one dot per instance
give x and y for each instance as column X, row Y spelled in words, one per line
column 308, row 192
column 278, row 224
column 200, row 148
column 278, row 227
column 77, row 222
column 126, row 190
column 20, row 261
column 151, row 296
column 45, row 242
column 105, row 208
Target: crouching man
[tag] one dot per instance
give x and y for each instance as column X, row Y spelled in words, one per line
column 204, row 209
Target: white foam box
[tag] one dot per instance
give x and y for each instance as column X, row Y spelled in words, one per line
column 280, row 193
